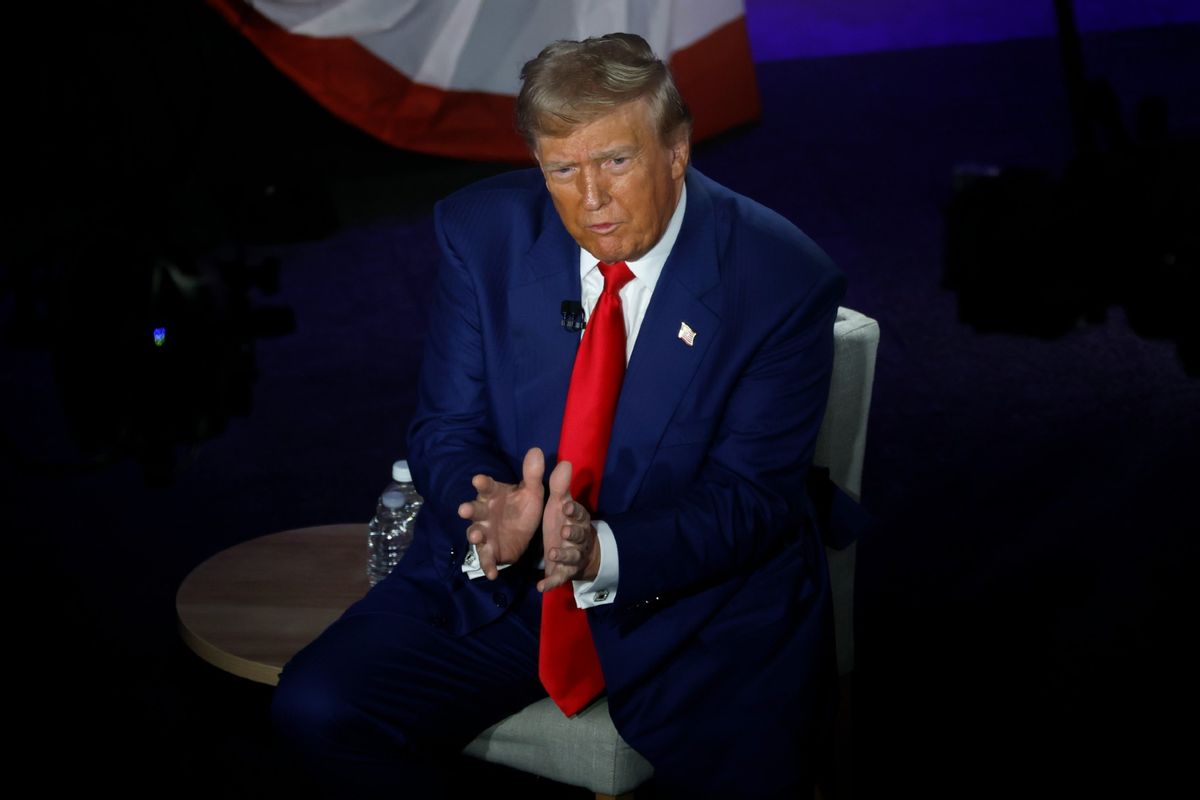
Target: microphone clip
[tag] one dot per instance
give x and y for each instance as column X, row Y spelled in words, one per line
column 572, row 316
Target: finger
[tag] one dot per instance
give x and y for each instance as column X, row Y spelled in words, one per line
column 487, row 561
column 575, row 511
column 560, row 480
column 553, row 579
column 483, row 484
column 533, row 467
column 476, row 510
column 565, row 556
column 477, row 534
column 574, row 533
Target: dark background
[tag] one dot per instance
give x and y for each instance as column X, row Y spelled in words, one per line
column 1025, row 607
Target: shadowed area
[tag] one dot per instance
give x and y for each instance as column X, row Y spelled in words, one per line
column 1023, row 605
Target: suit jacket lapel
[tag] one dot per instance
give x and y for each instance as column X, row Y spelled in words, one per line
column 662, row 365
column 543, row 351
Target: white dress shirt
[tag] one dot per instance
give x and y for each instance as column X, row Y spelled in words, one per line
column 635, row 299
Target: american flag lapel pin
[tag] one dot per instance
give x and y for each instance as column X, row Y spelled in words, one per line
column 687, row 334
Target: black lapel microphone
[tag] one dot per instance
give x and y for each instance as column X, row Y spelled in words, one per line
column 572, row 316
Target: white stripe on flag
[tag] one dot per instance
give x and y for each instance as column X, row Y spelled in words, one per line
column 472, row 45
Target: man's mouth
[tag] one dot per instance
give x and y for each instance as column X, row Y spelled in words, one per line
column 602, row 227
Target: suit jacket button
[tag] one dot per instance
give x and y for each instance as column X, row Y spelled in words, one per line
column 500, row 599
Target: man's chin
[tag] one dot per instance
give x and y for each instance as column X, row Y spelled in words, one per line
column 608, row 252
column 606, row 248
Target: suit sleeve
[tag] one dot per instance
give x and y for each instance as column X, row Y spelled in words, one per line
column 745, row 501
column 452, row 435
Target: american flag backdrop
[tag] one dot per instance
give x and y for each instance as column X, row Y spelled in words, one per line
column 441, row 76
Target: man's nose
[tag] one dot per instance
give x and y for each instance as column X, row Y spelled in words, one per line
column 594, row 189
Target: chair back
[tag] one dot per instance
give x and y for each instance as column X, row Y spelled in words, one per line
column 842, row 440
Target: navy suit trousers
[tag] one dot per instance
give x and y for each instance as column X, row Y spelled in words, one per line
column 386, row 697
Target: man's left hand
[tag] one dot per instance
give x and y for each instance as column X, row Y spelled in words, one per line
column 569, row 539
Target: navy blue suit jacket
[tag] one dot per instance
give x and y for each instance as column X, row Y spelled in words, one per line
column 722, row 605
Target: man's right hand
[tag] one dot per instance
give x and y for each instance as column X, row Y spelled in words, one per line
column 504, row 517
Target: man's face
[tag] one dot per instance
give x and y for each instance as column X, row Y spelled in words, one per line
column 613, row 182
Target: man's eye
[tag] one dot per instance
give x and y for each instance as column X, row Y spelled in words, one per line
column 620, row 160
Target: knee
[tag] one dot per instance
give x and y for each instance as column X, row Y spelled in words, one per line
column 307, row 708
column 323, row 731
column 316, row 713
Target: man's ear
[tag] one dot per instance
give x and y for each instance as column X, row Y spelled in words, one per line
column 681, row 151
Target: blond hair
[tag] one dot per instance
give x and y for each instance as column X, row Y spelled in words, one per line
column 572, row 83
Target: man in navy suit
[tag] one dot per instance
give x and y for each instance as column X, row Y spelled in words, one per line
column 700, row 567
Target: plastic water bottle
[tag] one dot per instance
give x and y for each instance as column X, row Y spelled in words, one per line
column 390, row 531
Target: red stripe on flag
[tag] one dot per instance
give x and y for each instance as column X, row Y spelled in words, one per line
column 715, row 76
column 368, row 92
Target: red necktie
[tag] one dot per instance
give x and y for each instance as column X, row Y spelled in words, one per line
column 567, row 660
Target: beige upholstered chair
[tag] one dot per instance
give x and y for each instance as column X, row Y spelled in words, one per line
column 840, row 447
column 586, row 749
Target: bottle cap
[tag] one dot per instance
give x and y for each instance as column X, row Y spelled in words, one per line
column 401, row 472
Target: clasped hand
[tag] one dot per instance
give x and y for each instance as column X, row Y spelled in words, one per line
column 504, row 518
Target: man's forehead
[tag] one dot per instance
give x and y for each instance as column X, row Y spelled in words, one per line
column 625, row 127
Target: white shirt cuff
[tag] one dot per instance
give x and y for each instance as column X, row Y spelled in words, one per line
column 602, row 590
column 599, row 591
column 470, row 564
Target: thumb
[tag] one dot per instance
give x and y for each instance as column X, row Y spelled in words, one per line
column 533, row 467
column 560, row 479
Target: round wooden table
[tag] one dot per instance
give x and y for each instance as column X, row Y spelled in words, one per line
column 250, row 608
